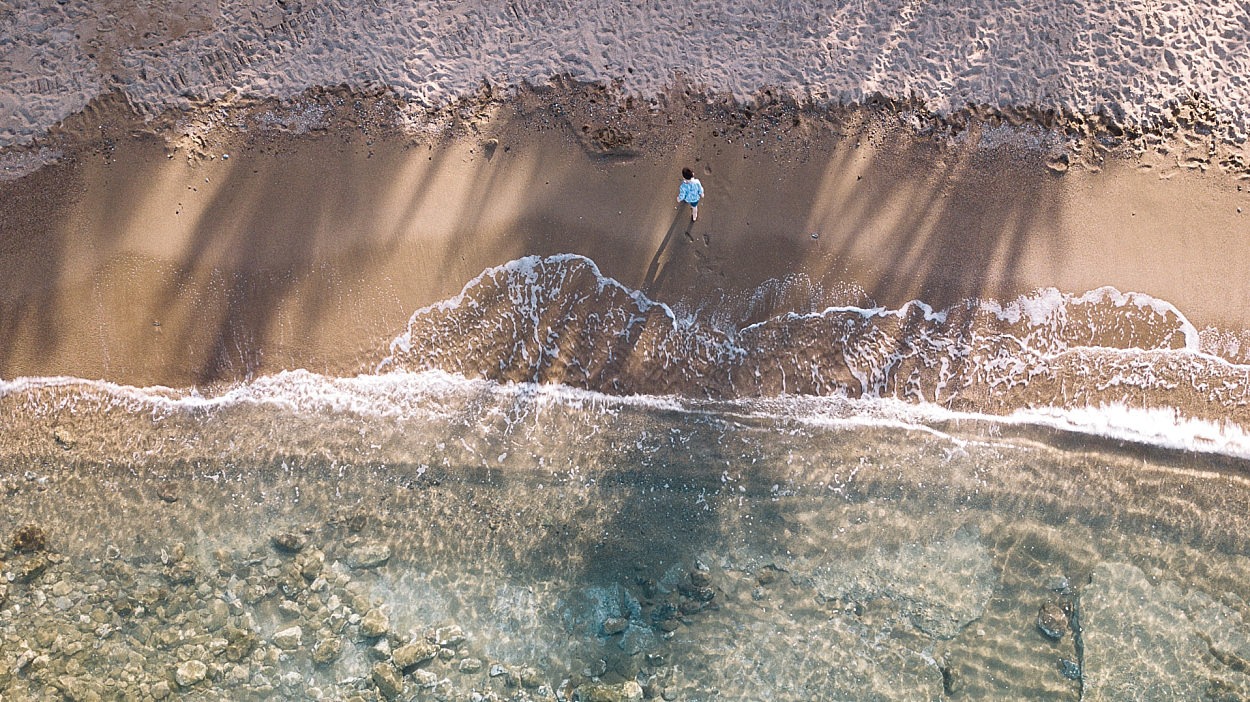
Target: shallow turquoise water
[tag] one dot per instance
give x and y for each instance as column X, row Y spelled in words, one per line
column 735, row 551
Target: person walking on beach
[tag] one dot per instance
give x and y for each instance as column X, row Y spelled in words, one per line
column 690, row 193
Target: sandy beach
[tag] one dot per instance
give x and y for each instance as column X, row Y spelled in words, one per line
column 211, row 210
column 145, row 257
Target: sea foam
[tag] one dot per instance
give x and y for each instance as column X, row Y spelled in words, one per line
column 548, row 331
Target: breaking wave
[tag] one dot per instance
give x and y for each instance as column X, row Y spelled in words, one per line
column 560, row 320
column 538, row 332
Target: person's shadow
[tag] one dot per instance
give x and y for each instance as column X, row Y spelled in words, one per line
column 665, row 256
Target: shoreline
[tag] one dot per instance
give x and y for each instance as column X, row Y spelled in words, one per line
column 251, row 241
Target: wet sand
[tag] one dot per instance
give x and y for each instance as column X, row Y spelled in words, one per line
column 149, row 255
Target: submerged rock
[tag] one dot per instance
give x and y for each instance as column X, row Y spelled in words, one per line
column 388, row 680
column 30, row 538
column 29, row 570
column 288, row 542
column 624, row 692
column 240, row 643
column 375, row 623
column 414, row 654
column 180, row 573
column 449, row 636
column 190, row 673
column 614, row 625
column 289, row 639
column 470, row 665
column 530, row 677
column 425, row 678
column 369, row 556
column 327, row 650
column 64, row 438
column 1052, row 620
column 1069, row 669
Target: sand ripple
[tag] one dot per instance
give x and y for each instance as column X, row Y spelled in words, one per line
column 1128, row 59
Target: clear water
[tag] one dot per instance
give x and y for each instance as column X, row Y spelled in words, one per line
column 543, row 538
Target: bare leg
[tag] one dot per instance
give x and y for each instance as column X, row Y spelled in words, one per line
column 694, row 213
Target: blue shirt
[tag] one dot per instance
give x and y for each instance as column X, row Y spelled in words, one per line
column 691, row 191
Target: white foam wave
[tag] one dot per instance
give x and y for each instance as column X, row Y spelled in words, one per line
column 525, row 277
column 393, row 395
column 1165, row 428
column 416, row 396
column 1049, row 308
column 1162, row 428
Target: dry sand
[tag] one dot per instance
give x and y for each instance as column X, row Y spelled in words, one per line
column 1129, row 58
column 138, row 260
